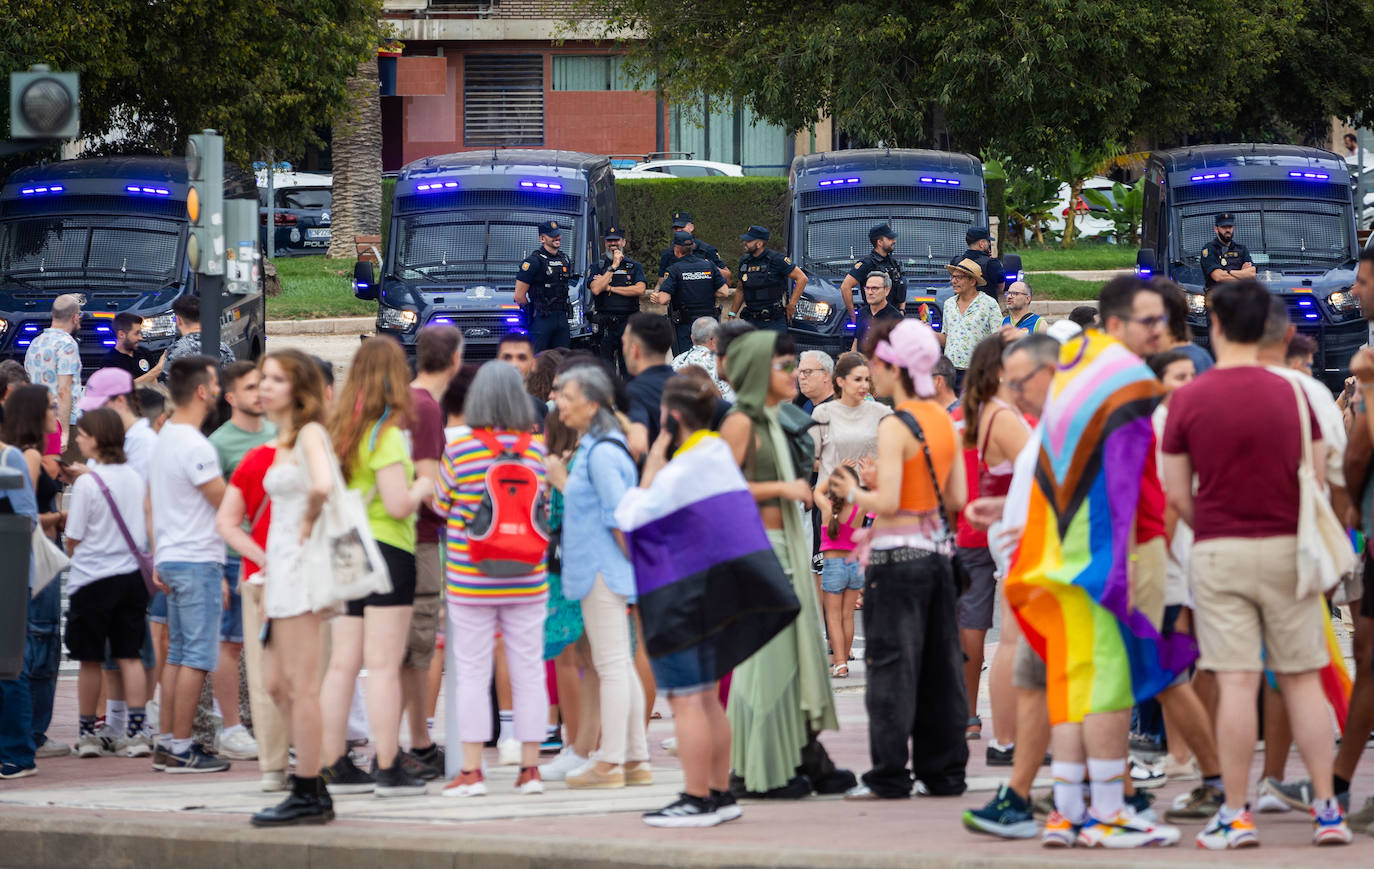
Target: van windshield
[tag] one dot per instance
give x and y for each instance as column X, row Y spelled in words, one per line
column 468, row 246
column 927, row 238
column 93, row 248
column 1282, row 232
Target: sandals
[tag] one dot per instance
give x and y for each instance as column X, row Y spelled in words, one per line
column 839, row 671
column 974, row 730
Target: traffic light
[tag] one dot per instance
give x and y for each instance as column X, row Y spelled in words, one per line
column 205, row 202
column 45, row 104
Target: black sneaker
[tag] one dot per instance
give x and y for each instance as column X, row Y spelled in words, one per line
column 687, row 811
column 427, row 763
column 195, row 759
column 396, row 782
column 1001, row 756
column 344, row 777
column 726, row 806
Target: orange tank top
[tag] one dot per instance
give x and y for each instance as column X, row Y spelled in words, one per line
column 918, row 495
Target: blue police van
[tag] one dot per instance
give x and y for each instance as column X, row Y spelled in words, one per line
column 1294, row 209
column 461, row 224
column 930, row 198
column 112, row 230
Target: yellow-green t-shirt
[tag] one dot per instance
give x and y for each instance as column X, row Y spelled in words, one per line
column 376, row 451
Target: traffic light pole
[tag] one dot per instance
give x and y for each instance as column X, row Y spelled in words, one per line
column 211, row 291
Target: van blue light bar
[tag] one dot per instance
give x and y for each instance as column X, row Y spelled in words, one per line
column 1310, row 176
column 931, row 179
column 836, row 182
column 1211, row 176
column 435, row 186
column 149, row 191
column 541, row 185
column 39, row 191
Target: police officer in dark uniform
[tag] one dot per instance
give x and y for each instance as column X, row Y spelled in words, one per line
column 617, row 283
column 884, row 239
column 541, row 288
column 764, row 277
column 682, row 222
column 1224, row 259
column 979, row 241
column 689, row 289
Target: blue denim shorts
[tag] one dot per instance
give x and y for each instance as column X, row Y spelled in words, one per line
column 689, row 671
column 838, row 575
column 193, row 612
column 231, row 622
column 157, row 608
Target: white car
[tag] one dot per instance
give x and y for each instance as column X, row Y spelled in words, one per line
column 1089, row 221
column 681, row 169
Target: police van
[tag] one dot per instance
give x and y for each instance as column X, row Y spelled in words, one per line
column 930, row 198
column 112, row 230
column 461, row 224
column 1293, row 208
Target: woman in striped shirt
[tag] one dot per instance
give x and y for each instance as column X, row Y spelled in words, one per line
column 480, row 605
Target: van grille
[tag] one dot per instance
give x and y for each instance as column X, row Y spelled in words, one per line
column 514, row 200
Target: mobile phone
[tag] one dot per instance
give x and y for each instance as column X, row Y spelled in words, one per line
column 266, row 633
column 672, row 427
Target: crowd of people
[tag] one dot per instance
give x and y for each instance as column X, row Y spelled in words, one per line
column 1138, row 518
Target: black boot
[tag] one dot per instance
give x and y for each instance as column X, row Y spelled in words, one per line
column 308, row 803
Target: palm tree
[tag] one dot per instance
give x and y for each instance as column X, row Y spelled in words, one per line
column 357, row 152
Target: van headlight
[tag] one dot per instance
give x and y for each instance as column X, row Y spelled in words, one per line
column 1197, row 304
column 1344, row 300
column 809, row 311
column 396, row 319
column 161, row 326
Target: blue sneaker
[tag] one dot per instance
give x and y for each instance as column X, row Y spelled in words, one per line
column 14, row 770
column 194, row 760
column 1006, row 815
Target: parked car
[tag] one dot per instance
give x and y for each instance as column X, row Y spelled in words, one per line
column 1090, row 219
column 681, row 169
column 300, row 218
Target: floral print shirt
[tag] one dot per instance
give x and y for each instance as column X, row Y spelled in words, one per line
column 963, row 330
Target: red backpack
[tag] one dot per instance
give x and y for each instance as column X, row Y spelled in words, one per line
column 508, row 534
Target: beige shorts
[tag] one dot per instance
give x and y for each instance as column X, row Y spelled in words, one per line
column 1247, row 612
column 1150, row 571
column 428, row 607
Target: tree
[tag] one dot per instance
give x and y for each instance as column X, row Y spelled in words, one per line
column 264, row 73
column 356, row 207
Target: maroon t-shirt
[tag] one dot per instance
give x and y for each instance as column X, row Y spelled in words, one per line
column 1241, row 429
column 426, row 442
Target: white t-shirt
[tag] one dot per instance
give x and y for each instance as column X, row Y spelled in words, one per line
column 183, row 521
column 102, row 552
column 140, row 442
column 1329, row 419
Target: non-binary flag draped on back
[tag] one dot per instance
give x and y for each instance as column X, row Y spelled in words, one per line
column 1069, row 582
column 704, row 568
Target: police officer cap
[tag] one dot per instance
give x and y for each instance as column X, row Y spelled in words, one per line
column 681, row 219
column 682, row 238
column 755, row 233
column 882, row 230
column 1226, row 218
column 550, row 228
column 977, row 233
column 613, row 234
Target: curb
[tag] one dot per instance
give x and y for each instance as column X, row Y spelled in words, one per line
column 1059, row 307
column 324, row 326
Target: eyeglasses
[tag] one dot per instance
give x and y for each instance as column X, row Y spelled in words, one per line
column 1011, row 293
column 801, row 371
column 876, row 288
column 786, row 366
column 1019, row 385
column 1158, row 322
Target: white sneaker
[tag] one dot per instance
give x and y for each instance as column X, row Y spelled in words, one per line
column 1147, row 775
column 558, row 769
column 1179, row 772
column 52, row 748
column 670, row 745
column 91, row 745
column 508, row 752
column 138, row 745
column 237, row 743
column 151, row 714
column 273, row 780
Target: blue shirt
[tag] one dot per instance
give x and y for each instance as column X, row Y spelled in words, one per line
column 597, row 480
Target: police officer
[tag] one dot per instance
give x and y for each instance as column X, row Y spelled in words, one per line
column 1223, row 259
column 617, row 284
column 541, row 288
column 884, row 239
column 682, row 222
column 979, row 241
column 689, row 289
column 763, row 281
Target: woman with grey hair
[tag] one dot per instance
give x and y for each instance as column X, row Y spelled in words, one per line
column 481, row 598
column 597, row 573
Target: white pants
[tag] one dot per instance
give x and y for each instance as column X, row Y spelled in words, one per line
column 623, row 735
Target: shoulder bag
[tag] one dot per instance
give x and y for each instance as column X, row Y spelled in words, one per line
column 1324, row 550
column 145, row 561
column 341, row 559
column 962, row 578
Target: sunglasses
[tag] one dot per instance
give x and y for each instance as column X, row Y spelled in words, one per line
column 786, row 366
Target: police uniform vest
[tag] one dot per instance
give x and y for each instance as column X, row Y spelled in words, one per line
column 547, row 274
column 614, row 303
column 763, row 279
column 692, row 282
column 1227, row 257
column 871, row 262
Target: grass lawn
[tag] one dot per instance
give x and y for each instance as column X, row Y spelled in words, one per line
column 1060, row 287
column 314, row 287
column 1085, row 256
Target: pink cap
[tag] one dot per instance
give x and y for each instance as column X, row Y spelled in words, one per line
column 912, row 345
column 104, row 385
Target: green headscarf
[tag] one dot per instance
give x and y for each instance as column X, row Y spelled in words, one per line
column 749, row 362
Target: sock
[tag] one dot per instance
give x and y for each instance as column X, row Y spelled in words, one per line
column 138, row 719
column 993, row 743
column 429, row 724
column 99, row 722
column 1212, row 781
column 164, row 740
column 1068, row 789
column 181, row 746
column 1108, row 783
column 507, row 725
column 218, row 712
column 87, row 726
column 1228, row 814
column 115, row 714
column 1340, row 785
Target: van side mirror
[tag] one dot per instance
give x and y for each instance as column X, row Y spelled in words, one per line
column 364, row 280
column 1011, row 266
column 1145, row 264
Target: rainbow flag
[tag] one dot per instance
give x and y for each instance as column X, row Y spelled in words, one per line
column 1335, row 677
column 1068, row 582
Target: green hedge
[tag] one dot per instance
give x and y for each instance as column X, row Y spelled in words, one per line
column 722, row 209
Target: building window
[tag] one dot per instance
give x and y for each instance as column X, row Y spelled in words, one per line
column 503, row 99
column 727, row 132
column 580, row 72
